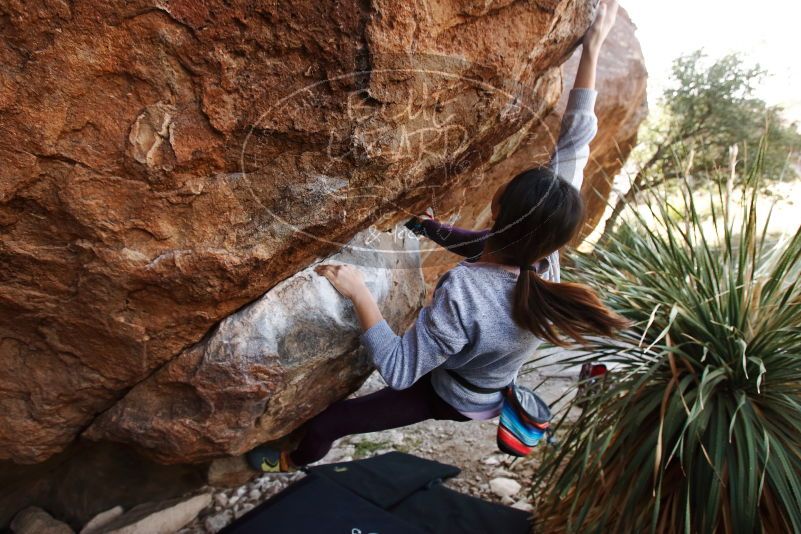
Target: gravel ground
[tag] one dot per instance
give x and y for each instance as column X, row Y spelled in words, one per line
column 486, row 473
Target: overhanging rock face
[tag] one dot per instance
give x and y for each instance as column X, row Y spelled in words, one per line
column 166, row 163
column 621, row 81
column 271, row 365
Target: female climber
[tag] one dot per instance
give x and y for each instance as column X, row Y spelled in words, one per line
column 487, row 315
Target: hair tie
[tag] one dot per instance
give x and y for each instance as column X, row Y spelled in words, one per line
column 528, row 268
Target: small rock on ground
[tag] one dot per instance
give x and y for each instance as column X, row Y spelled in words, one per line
column 34, row 520
column 504, row 487
column 101, row 520
column 523, row 505
column 159, row 518
column 217, row 522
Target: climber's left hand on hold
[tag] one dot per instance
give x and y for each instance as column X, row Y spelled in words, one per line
column 346, row 279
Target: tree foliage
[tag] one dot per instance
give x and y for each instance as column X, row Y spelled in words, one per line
column 708, row 108
column 711, row 108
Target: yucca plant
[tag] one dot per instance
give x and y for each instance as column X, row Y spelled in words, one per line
column 699, row 427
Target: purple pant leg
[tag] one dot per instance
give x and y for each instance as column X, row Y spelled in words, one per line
column 382, row 410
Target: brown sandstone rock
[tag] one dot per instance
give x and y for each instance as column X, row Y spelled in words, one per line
column 163, row 165
column 621, row 107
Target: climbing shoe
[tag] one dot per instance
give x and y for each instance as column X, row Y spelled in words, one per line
column 265, row 459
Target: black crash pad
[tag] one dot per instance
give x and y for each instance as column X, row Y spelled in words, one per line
column 387, row 494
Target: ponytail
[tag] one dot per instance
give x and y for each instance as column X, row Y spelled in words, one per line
column 539, row 213
column 548, row 308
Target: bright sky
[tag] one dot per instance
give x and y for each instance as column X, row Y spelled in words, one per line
column 768, row 32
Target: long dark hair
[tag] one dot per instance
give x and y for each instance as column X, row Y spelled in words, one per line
column 539, row 213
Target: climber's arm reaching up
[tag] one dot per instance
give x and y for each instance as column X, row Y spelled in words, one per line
column 592, row 42
column 571, row 154
column 579, row 124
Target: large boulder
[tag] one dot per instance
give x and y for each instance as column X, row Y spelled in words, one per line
column 166, row 163
column 270, row 366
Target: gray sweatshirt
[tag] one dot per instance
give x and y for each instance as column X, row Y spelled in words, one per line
column 468, row 326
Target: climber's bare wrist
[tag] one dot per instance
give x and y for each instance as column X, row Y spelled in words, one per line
column 366, row 308
column 585, row 76
column 591, row 50
column 361, row 295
